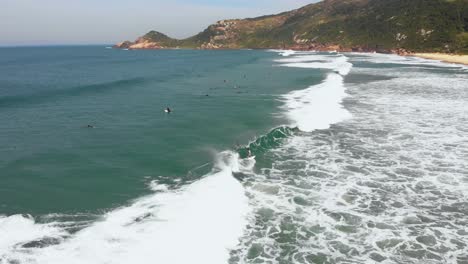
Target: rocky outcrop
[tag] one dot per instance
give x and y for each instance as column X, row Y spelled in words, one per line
column 123, row 45
column 152, row 40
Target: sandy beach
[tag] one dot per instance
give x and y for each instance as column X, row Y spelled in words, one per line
column 452, row 58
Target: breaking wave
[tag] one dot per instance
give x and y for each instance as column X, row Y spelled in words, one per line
column 385, row 186
column 197, row 223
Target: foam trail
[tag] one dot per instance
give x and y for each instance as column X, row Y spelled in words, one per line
column 284, row 53
column 337, row 63
column 19, row 228
column 199, row 223
column 410, row 61
column 306, row 58
column 318, row 106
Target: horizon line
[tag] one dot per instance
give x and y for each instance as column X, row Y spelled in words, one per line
column 52, row 45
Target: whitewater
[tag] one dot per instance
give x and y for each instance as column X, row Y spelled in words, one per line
column 377, row 172
column 372, row 169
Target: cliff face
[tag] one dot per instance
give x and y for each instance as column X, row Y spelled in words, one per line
column 416, row 25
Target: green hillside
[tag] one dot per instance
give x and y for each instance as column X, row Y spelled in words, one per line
column 414, row 25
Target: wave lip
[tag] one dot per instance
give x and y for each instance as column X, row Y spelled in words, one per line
column 198, row 223
column 318, row 106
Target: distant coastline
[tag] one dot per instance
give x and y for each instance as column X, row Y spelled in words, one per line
column 335, row 25
column 445, row 57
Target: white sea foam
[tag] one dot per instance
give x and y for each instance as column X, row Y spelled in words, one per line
column 318, row 106
column 389, row 185
column 198, row 223
column 284, row 53
column 17, row 229
column 155, row 186
column 308, row 58
column 337, row 63
column 404, row 60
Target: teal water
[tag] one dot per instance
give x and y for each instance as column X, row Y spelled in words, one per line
column 51, row 163
column 358, row 158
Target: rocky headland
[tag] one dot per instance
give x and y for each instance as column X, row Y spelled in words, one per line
column 389, row 26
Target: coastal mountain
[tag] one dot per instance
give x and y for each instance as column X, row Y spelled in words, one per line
column 359, row 25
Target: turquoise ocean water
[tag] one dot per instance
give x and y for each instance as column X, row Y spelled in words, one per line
column 359, row 158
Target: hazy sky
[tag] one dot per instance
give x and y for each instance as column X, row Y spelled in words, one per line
column 30, row 22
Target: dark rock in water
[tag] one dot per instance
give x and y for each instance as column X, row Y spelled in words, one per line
column 41, row 243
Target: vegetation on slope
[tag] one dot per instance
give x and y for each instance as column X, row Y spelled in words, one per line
column 416, row 25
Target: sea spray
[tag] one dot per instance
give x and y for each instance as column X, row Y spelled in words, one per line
column 318, row 106
column 198, row 223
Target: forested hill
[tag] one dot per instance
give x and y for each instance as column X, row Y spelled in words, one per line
column 365, row 25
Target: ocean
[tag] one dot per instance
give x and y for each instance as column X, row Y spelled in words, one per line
column 355, row 158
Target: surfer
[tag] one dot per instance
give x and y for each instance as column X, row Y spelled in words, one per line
column 90, row 126
column 167, row 110
column 249, row 152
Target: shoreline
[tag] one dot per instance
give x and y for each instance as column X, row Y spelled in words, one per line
column 444, row 57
